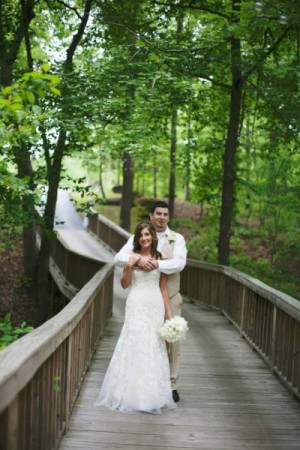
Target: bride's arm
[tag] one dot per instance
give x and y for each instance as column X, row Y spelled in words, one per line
column 165, row 293
column 126, row 275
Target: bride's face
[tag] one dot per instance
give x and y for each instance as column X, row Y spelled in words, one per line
column 145, row 239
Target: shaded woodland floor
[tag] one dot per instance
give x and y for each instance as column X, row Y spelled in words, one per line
column 14, row 297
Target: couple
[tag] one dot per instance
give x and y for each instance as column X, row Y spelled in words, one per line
column 138, row 377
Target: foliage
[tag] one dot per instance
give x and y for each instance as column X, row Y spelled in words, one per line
column 9, row 333
column 23, row 111
column 20, row 112
column 263, row 270
column 143, row 207
column 137, row 64
column 203, row 247
column 56, row 384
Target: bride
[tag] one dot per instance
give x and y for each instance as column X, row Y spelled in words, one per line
column 138, row 376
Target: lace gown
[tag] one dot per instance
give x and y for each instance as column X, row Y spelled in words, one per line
column 138, row 376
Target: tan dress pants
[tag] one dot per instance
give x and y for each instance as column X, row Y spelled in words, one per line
column 174, row 349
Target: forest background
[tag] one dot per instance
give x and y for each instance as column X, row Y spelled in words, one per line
column 193, row 101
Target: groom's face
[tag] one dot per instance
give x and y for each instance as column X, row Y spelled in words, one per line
column 160, row 218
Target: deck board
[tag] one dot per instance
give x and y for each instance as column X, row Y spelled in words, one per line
column 229, row 398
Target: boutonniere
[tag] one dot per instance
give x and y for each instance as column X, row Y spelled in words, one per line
column 172, row 237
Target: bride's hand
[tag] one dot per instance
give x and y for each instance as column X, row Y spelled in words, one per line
column 134, row 258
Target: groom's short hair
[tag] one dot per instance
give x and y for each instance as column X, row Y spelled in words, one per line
column 159, row 204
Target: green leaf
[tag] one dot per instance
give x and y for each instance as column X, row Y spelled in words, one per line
column 54, row 79
column 46, row 67
column 4, row 102
column 15, row 107
column 36, row 109
column 30, row 97
column 55, row 90
column 7, row 89
column 41, row 92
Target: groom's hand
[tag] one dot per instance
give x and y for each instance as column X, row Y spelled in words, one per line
column 148, row 263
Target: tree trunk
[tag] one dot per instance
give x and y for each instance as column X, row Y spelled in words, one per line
column 53, row 172
column 188, row 162
column 229, row 161
column 9, row 49
column 173, row 146
column 42, row 282
column 172, row 179
column 128, row 174
column 101, row 187
column 248, row 199
column 127, row 196
column 154, row 175
column 47, row 233
column 30, row 252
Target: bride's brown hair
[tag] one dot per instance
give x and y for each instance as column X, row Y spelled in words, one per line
column 138, row 231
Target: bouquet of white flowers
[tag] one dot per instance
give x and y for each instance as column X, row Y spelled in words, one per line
column 174, row 329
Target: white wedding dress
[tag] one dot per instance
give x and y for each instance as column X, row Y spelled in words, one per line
column 138, row 376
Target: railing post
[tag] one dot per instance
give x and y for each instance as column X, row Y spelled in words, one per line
column 68, row 380
column 12, row 433
column 296, row 357
column 242, row 310
column 222, row 293
column 273, row 338
column 92, row 328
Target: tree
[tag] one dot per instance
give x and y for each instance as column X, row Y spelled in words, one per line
column 20, row 116
column 53, row 152
column 164, row 87
column 54, row 167
column 231, row 25
column 12, row 34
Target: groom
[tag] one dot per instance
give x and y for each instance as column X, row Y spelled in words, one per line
column 172, row 246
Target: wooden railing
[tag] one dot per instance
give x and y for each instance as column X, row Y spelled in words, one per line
column 267, row 318
column 71, row 270
column 41, row 374
column 107, row 232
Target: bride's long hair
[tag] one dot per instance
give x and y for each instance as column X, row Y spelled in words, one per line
column 137, row 234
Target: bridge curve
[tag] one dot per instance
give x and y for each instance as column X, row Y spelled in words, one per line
column 230, row 400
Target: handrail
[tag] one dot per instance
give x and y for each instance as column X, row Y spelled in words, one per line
column 41, row 373
column 107, row 232
column 69, row 269
column 266, row 317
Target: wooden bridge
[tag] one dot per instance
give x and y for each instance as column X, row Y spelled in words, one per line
column 240, row 369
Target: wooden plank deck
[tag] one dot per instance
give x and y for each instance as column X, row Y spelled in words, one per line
column 229, row 398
